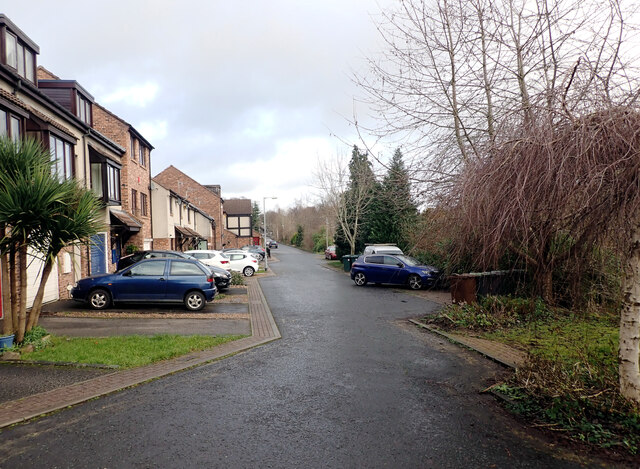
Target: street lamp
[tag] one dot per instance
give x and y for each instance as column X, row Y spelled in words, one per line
column 264, row 210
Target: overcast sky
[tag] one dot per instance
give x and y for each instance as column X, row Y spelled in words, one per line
column 247, row 95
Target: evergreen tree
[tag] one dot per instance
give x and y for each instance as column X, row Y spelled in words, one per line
column 256, row 216
column 393, row 212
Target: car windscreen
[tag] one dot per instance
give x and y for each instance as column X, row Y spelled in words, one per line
column 408, row 260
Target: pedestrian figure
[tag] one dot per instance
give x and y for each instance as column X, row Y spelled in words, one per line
column 268, row 252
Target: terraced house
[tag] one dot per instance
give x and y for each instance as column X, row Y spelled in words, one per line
column 77, row 149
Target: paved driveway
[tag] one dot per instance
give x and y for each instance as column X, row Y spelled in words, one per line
column 349, row 385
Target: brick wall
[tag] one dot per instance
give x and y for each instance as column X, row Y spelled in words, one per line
column 203, row 198
column 162, row 243
column 133, row 175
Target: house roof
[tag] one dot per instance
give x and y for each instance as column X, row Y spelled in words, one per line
column 237, row 206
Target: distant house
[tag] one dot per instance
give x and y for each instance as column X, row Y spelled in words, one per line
column 239, row 221
column 206, row 199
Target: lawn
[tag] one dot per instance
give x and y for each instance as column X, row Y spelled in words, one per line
column 123, row 351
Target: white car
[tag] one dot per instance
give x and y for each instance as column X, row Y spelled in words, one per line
column 241, row 251
column 210, row 257
column 243, row 262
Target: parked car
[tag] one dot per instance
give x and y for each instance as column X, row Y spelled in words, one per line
column 240, row 251
column 131, row 259
column 211, row 258
column 330, row 253
column 382, row 249
column 161, row 280
column 272, row 244
column 395, row 269
column 257, row 250
column 221, row 276
column 243, row 262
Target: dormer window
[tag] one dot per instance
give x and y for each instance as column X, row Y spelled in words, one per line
column 83, row 109
column 19, row 57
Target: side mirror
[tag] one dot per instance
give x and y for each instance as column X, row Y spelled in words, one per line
column 400, row 264
column 127, row 274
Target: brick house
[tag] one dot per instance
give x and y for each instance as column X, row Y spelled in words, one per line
column 129, row 216
column 26, row 110
column 177, row 223
column 206, row 198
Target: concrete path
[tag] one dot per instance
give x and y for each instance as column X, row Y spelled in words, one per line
column 263, row 330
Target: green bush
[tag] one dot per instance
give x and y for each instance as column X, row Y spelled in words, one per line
column 237, row 278
column 131, row 249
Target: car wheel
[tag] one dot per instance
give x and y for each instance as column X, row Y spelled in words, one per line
column 360, row 279
column 248, row 271
column 194, row 301
column 99, row 299
column 415, row 282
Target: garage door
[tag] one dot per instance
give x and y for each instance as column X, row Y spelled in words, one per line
column 34, row 274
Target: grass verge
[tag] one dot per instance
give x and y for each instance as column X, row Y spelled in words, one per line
column 570, row 382
column 123, row 351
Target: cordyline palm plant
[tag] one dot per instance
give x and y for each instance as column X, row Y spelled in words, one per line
column 37, row 212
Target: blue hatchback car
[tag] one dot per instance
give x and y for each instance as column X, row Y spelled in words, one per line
column 158, row 280
column 396, row 269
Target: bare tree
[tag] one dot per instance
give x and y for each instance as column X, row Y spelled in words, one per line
column 455, row 73
column 346, row 189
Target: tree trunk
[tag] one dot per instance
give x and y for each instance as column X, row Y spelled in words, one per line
column 7, row 323
column 629, row 347
column 22, row 313
column 15, row 291
column 34, row 314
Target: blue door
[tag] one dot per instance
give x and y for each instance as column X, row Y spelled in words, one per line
column 98, row 254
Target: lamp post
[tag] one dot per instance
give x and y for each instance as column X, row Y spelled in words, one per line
column 264, row 210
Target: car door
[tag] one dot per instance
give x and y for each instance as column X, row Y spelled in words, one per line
column 237, row 261
column 184, row 276
column 145, row 281
column 374, row 266
column 394, row 270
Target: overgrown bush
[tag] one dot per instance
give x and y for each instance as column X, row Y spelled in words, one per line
column 492, row 312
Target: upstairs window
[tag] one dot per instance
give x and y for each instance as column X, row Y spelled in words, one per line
column 83, row 109
column 143, row 204
column 105, row 178
column 133, row 148
column 10, row 125
column 61, row 158
column 141, row 155
column 113, row 180
column 134, row 201
column 170, row 205
column 19, row 57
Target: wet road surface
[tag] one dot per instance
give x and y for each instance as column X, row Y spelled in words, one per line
column 350, row 384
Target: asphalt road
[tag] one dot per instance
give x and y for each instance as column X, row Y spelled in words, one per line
column 350, row 384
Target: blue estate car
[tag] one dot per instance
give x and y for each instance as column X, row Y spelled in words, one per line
column 159, row 280
column 396, row 269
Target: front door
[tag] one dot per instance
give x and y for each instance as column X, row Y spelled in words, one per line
column 99, row 254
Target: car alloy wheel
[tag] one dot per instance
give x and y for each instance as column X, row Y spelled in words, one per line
column 360, row 279
column 99, row 299
column 194, row 301
column 248, row 271
column 415, row 282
